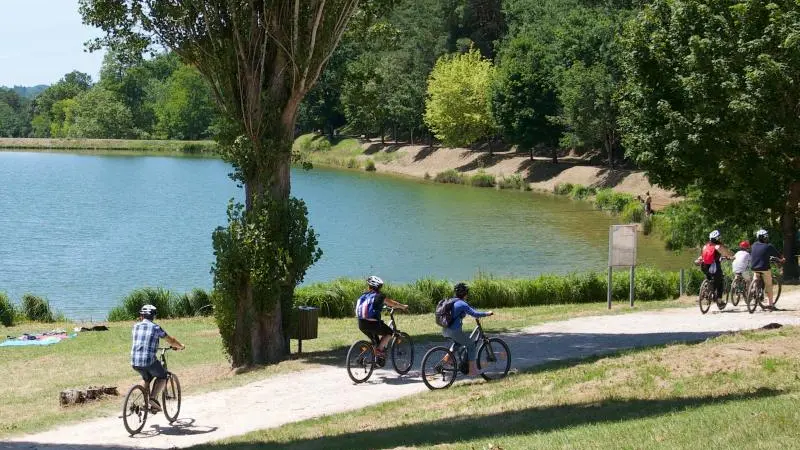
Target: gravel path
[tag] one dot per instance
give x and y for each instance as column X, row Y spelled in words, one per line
column 296, row 396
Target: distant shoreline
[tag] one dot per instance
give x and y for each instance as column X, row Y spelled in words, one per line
column 127, row 145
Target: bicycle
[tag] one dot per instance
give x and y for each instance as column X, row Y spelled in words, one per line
column 442, row 364
column 755, row 293
column 136, row 406
column 708, row 293
column 362, row 360
column 737, row 290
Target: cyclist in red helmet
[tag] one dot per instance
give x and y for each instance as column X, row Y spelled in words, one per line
column 741, row 261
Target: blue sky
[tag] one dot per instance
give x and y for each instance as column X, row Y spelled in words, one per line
column 41, row 40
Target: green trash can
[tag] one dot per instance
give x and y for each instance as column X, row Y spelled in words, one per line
column 306, row 325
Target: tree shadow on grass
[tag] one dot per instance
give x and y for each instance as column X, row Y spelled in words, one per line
column 506, row 424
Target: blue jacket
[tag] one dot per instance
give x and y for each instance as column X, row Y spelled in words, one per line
column 460, row 310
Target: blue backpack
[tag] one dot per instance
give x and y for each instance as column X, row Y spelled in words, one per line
column 365, row 306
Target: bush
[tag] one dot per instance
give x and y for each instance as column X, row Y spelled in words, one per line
column 613, row 201
column 513, row 182
column 580, row 192
column 37, row 309
column 482, row 179
column 563, row 188
column 427, row 176
column 633, row 212
column 201, row 302
column 133, row 302
column 369, row 166
column 353, row 163
column 7, row 311
column 449, row 176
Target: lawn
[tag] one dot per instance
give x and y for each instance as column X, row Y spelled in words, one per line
column 734, row 391
column 35, row 375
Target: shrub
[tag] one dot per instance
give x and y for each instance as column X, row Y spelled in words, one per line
column 614, row 201
column 580, row 192
column 7, row 311
column 427, row 176
column 513, row 182
column 353, row 163
column 201, row 302
column 562, row 188
column 633, row 212
column 37, row 309
column 133, row 302
column 320, row 144
column 449, row 176
column 482, row 179
column 369, row 166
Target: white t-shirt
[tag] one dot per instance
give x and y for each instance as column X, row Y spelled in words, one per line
column 741, row 261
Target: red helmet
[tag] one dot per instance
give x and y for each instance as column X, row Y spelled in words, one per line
column 744, row 245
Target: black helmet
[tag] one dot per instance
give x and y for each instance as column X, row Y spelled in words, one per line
column 461, row 290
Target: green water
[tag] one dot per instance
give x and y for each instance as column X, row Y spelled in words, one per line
column 86, row 229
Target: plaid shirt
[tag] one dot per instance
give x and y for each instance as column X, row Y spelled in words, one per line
column 145, row 343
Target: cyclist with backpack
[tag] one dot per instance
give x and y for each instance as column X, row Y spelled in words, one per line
column 710, row 261
column 450, row 314
column 760, row 254
column 368, row 312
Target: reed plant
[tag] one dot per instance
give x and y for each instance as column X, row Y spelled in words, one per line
column 610, row 200
column 7, row 310
column 369, row 166
column 449, row 176
column 482, row 179
column 581, row 192
column 633, row 212
column 37, row 309
column 513, row 182
column 563, row 188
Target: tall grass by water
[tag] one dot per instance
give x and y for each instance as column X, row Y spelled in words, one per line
column 130, row 145
column 7, row 310
column 169, row 304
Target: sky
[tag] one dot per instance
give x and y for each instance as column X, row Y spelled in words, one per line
column 41, row 40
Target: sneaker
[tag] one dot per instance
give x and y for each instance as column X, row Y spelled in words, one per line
column 155, row 406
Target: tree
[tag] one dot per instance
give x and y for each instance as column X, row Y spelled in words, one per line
column 14, row 114
column 98, row 114
column 260, row 58
column 710, row 104
column 70, row 86
column 184, row 107
column 457, row 109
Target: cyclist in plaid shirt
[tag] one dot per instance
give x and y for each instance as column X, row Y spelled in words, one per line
column 143, row 352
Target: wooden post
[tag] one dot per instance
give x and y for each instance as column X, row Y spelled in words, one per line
column 609, row 287
column 633, row 284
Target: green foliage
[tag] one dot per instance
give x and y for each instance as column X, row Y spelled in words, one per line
column 248, row 255
column 563, row 188
column 648, row 223
column 7, row 311
column 513, row 182
column 580, row 192
column 99, row 114
column 369, row 166
column 73, row 84
column 15, row 113
column 184, row 108
column 161, row 298
column 37, row 309
column 311, row 142
column 482, row 179
column 449, row 176
column 613, row 201
column 633, row 212
column 457, row 109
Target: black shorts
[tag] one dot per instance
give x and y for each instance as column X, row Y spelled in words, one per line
column 374, row 328
column 154, row 370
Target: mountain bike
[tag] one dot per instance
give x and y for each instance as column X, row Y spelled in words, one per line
column 441, row 365
column 362, row 359
column 708, row 294
column 737, row 290
column 755, row 293
column 136, row 406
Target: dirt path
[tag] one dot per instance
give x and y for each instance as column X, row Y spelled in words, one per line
column 288, row 398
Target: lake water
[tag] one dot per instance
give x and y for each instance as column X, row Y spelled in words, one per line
column 84, row 230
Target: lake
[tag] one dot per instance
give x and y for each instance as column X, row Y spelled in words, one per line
column 83, row 230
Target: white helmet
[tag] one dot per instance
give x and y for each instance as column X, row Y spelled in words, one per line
column 762, row 233
column 374, row 282
column 148, row 311
column 714, row 234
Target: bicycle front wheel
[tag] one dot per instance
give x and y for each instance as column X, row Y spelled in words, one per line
column 171, row 398
column 439, row 368
column 402, row 353
column 704, row 298
column 135, row 409
column 494, row 359
column 777, row 281
column 737, row 291
column 359, row 361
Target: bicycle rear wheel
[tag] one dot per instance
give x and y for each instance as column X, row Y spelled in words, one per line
column 704, row 298
column 439, row 368
column 135, row 409
column 737, row 291
column 402, row 353
column 359, row 361
column 752, row 297
column 171, row 398
column 494, row 358
column 777, row 281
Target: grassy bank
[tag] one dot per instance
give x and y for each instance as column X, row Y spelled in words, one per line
column 35, row 375
column 127, row 145
column 729, row 392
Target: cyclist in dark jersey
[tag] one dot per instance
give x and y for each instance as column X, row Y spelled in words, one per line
column 761, row 251
column 368, row 312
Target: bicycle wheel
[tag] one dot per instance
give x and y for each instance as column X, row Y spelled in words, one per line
column 135, row 409
column 402, row 353
column 752, row 293
column 494, row 358
column 359, row 361
column 704, row 298
column 737, row 291
column 777, row 281
column 439, row 368
column 171, row 398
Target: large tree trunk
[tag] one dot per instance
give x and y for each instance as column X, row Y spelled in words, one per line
column 789, row 228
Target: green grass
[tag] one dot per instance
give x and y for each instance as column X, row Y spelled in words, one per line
column 29, row 395
column 127, row 145
column 450, row 176
column 680, row 396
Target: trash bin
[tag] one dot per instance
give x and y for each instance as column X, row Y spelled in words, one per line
column 305, row 326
